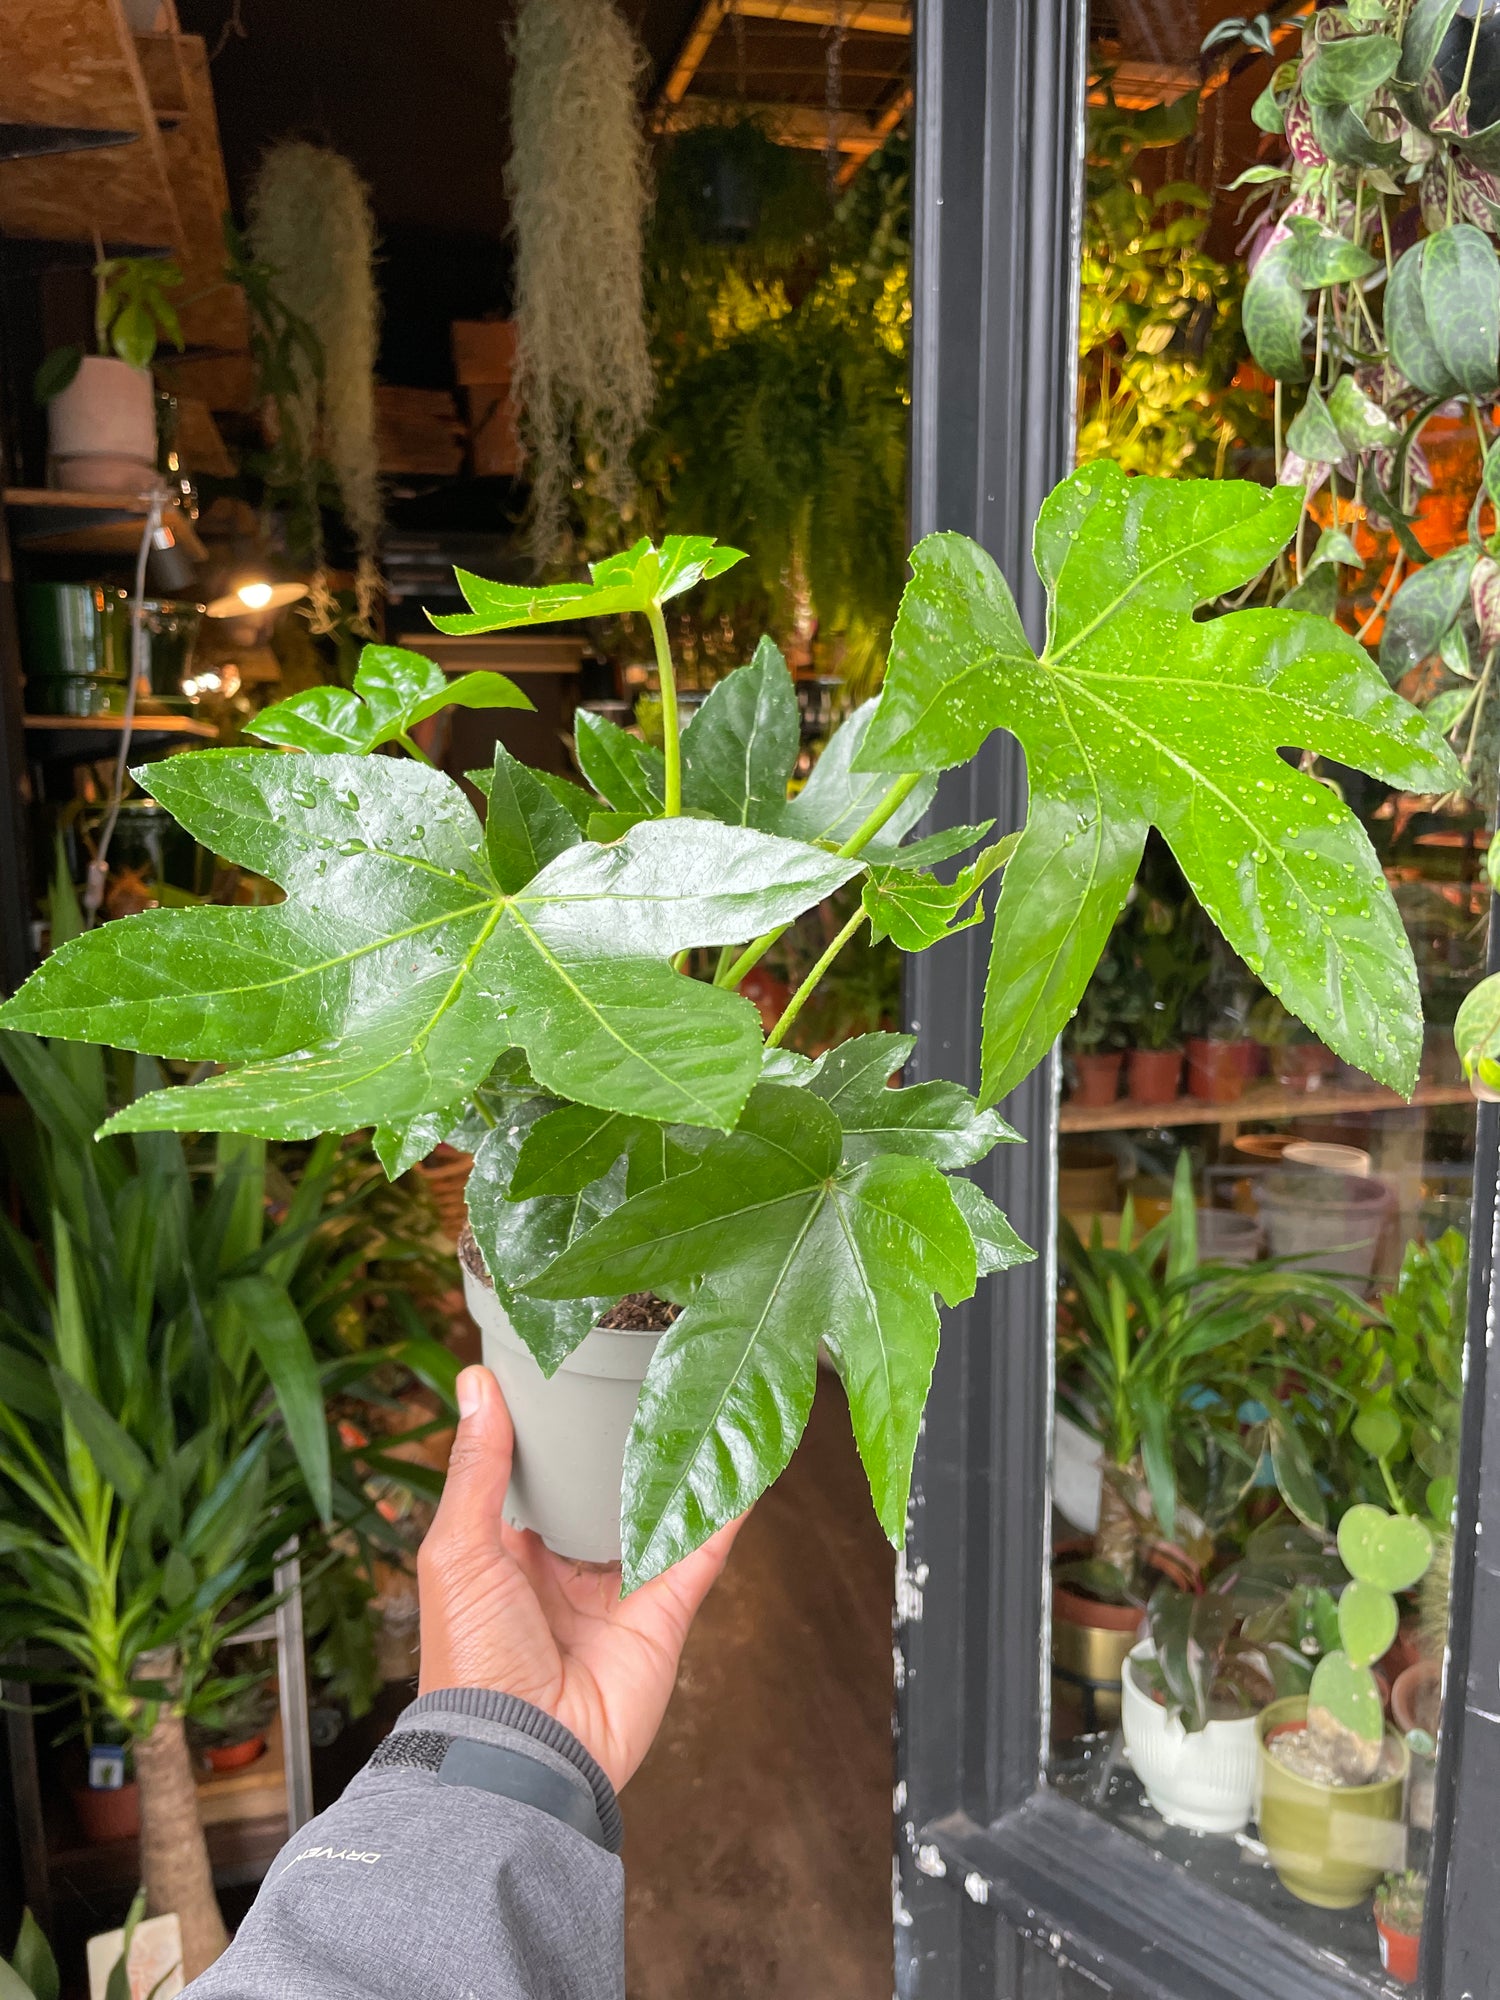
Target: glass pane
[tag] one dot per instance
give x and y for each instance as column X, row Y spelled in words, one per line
column 1263, row 1251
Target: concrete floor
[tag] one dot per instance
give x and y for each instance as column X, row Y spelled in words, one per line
column 758, row 1832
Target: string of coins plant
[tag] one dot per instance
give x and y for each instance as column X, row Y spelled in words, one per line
column 1374, row 294
column 1383, row 1553
column 557, row 985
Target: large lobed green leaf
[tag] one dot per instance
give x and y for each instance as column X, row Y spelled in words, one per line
column 1139, row 714
column 394, row 690
column 396, row 970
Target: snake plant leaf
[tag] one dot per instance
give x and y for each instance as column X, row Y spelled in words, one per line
column 518, row 1238
column 937, row 1121
column 1273, row 313
column 394, row 690
column 771, row 1245
column 525, row 826
column 739, row 749
column 1424, row 610
column 1350, row 70
column 396, row 970
column 629, row 775
column 838, row 798
column 1426, row 25
column 636, row 580
column 1476, row 1036
column 1138, row 714
column 916, row 910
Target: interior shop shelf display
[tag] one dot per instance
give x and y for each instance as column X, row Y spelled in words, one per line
column 669, row 1209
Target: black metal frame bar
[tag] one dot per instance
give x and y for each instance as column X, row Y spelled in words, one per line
column 1004, row 1889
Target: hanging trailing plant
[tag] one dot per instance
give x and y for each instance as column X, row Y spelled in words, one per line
column 312, row 230
column 577, row 187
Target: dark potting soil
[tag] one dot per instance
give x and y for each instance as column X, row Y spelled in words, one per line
column 641, row 1312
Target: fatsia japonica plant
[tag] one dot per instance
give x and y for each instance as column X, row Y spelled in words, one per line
column 557, row 985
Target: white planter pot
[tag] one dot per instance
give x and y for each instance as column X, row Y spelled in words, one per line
column 101, row 429
column 1205, row 1779
column 570, row 1429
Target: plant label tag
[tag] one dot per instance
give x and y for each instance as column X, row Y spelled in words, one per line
column 106, row 1767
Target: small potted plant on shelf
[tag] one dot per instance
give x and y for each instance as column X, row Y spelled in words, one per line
column 1192, row 1690
column 1400, row 1905
column 662, row 1196
column 1094, row 1040
column 228, row 1728
column 1298, row 1060
column 1219, row 1059
column 1168, row 966
column 1332, row 1773
column 101, row 408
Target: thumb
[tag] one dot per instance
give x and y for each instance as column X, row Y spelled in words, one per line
column 473, row 1503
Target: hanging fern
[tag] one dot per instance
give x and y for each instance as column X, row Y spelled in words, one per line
column 576, row 181
column 312, row 227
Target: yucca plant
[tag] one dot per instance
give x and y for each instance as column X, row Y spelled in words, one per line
column 162, row 1427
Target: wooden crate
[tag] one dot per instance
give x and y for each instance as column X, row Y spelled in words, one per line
column 418, row 431
column 484, row 350
column 494, row 435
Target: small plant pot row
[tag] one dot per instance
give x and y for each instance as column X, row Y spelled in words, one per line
column 1217, row 1072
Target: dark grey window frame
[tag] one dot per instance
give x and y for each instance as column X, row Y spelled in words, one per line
column 1004, row 1888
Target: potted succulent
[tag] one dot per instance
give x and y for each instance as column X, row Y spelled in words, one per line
column 1333, row 1775
column 1400, row 1905
column 101, row 408
column 1192, row 1690
column 557, row 985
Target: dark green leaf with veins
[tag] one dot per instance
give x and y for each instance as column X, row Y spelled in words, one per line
column 937, row 1121
column 396, row 970
column 633, row 581
column 525, row 826
column 996, row 1245
column 739, row 749
column 837, row 799
column 394, row 690
column 1138, row 714
column 771, row 1246
column 917, row 910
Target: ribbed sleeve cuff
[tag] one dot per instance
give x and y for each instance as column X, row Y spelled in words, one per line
column 508, row 1711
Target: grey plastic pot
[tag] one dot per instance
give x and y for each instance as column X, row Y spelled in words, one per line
column 570, row 1428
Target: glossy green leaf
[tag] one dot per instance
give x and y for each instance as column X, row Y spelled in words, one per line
column 1409, row 336
column 838, row 798
column 1273, row 312
column 1313, row 435
column 567, row 1149
column 1362, row 424
column 119, row 1459
column 1377, row 1430
column 629, row 774
column 1320, row 257
column 1351, row 69
column 1461, row 295
column 33, row 1962
column 739, row 749
column 916, row 910
column 772, row 1245
column 275, row 1331
column 1426, row 25
column 395, row 972
column 1334, row 546
column 525, row 827
column 1391, row 1551
column 1318, row 592
column 934, row 847
column 1423, row 610
column 1368, row 1619
column 1476, row 1034
column 1341, row 133
column 997, row 1247
column 1138, row 714
column 632, row 581
column 1266, row 112
column 937, row 1121
column 1296, row 1476
column 393, row 691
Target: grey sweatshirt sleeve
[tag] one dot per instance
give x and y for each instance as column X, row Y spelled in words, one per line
column 474, row 1858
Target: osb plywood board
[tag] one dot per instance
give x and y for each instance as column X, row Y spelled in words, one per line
column 73, row 62
column 200, row 445
column 160, row 66
column 216, row 318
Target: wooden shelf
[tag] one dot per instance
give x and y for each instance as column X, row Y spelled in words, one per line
column 1261, row 1101
column 81, row 738
column 50, row 521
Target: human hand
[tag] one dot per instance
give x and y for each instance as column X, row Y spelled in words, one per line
column 500, row 1610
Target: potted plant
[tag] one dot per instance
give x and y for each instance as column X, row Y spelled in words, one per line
column 101, row 408
column 1298, row 1060
column 228, row 1727
column 1332, row 1774
column 139, row 1529
column 1400, row 1905
column 1094, row 1040
column 525, row 982
column 1168, row 964
column 1192, row 1690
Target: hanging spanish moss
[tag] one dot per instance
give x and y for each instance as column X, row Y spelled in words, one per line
column 311, row 224
column 576, row 181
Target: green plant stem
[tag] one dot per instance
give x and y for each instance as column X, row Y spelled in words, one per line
column 414, row 750
column 1463, row 88
column 671, row 728
column 857, row 842
column 805, row 991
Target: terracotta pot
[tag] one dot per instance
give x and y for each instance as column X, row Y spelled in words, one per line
column 1215, row 1070
column 108, row 1815
column 1304, row 1066
column 1400, row 1952
column 101, row 429
column 1090, row 1643
column 235, row 1756
column 446, row 1172
column 1417, row 1697
column 1152, row 1075
column 1095, row 1078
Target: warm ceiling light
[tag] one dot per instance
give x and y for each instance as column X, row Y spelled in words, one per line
column 256, row 595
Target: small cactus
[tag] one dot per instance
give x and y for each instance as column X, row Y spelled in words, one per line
column 1383, row 1553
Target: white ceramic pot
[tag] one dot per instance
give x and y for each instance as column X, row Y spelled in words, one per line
column 101, row 429
column 1204, row 1779
column 570, row 1428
